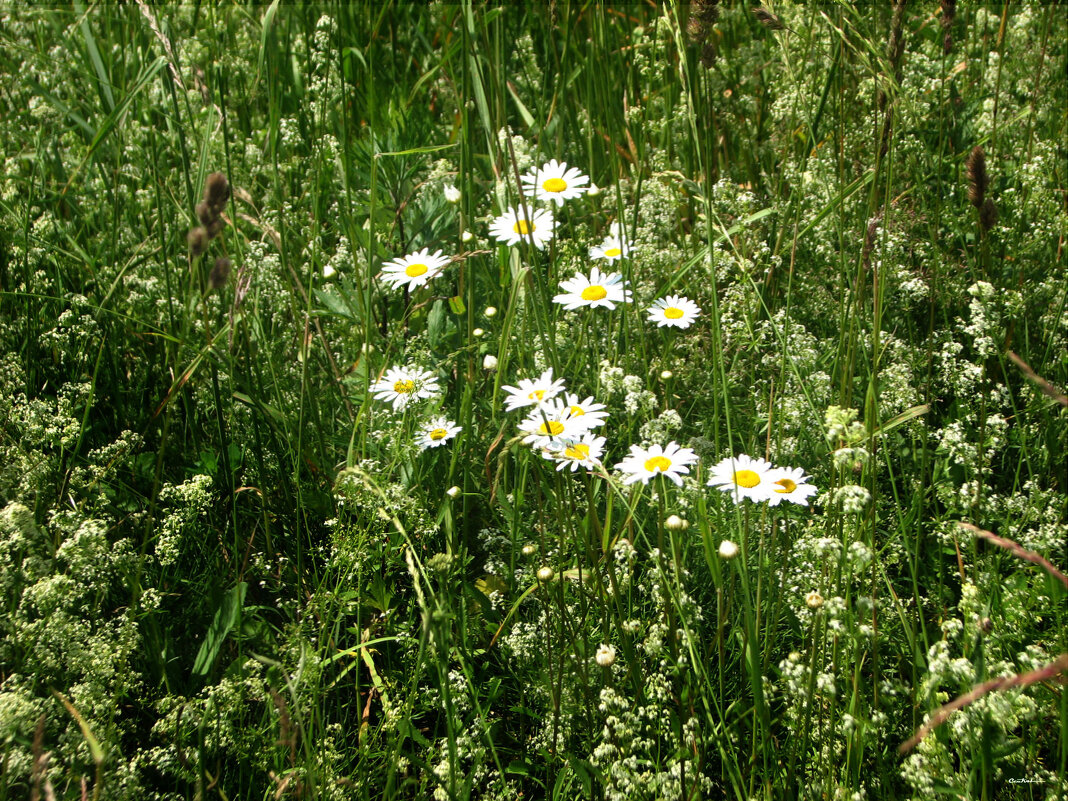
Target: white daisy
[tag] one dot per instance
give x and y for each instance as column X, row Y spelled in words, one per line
column 599, row 289
column 671, row 460
column 614, row 247
column 436, row 432
column 551, row 428
column 789, row 484
column 533, row 391
column 402, row 385
column 673, row 310
column 514, row 227
column 592, row 414
column 415, row 269
column 555, row 182
column 743, row 477
column 585, row 452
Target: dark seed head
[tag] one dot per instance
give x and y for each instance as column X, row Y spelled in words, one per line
column 978, row 181
column 217, row 191
column 219, row 273
column 198, row 241
column 767, row 19
column 205, row 213
column 988, row 214
column 214, row 227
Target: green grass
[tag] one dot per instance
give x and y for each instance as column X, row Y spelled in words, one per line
column 228, row 571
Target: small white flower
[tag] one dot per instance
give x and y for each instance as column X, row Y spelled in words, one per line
column 599, row 289
column 728, row 550
column 415, row 269
column 452, row 194
column 585, row 452
column 670, row 460
column 489, row 362
column 743, row 477
column 533, row 391
column 614, row 247
column 555, row 182
column 402, row 385
column 789, row 484
column 514, row 227
column 436, row 432
column 674, row 310
column 605, row 655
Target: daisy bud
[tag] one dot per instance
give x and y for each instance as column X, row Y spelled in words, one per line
column 605, row 655
column 594, row 190
column 664, row 376
column 676, row 523
column 477, row 332
column 452, row 194
column 453, row 491
column 813, row 600
column 491, row 311
column 727, row 550
column 466, row 236
column 489, row 362
column 529, row 550
column 545, row 574
column 328, row 270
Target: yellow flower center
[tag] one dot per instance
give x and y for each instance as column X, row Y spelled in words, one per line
column 523, row 227
column 594, row 292
column 415, row 270
column 551, row 427
column 613, row 252
column 579, row 451
column 554, row 185
column 746, row 478
column 438, row 433
column 658, row 463
column 577, row 411
column 537, row 394
column 404, row 387
column 672, row 313
column 787, row 485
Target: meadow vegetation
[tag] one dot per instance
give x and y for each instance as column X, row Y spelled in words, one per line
column 465, row 400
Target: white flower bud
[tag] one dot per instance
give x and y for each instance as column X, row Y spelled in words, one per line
column 491, row 311
column 545, row 573
column 813, row 600
column 466, row 236
column 529, row 549
column 676, row 523
column 477, row 332
column 489, row 362
column 452, row 194
column 594, row 190
column 452, row 492
column 728, row 549
column 664, row 376
column 605, row 655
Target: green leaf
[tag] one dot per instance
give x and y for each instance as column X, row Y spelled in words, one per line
column 226, row 617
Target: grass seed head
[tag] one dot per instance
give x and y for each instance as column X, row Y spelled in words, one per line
column 217, row 191
column 198, row 241
column 988, row 214
column 977, row 177
column 219, row 273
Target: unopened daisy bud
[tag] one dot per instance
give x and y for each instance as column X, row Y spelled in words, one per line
column 665, row 375
column 328, row 270
column 452, row 194
column 545, row 574
column 453, row 491
column 529, row 549
column 491, row 311
column 813, row 600
column 466, row 236
column 478, row 332
column 605, row 655
column 676, row 523
column 727, row 550
column 489, row 362
column 594, row 190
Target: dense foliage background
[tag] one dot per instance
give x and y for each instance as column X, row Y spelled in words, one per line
column 227, row 571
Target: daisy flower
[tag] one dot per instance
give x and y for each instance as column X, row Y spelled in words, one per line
column 585, row 452
column 436, row 432
column 514, row 227
column 415, row 269
column 402, row 385
column 671, row 460
column 549, row 428
column 555, row 182
column 533, row 391
column 614, row 246
column 743, row 477
column 592, row 414
column 789, row 484
column 673, row 310
column 600, row 289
